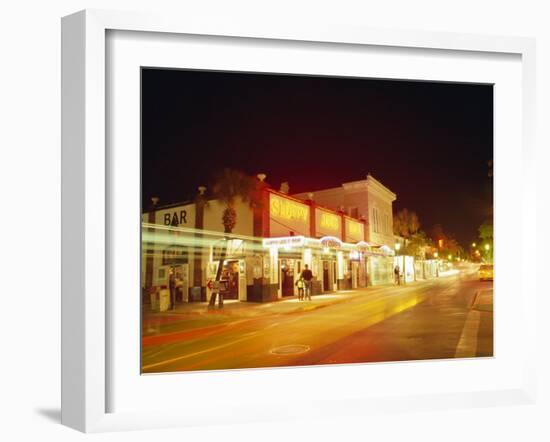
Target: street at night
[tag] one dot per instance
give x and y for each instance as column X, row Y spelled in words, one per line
column 370, row 199
column 447, row 317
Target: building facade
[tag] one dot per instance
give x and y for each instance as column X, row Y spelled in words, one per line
column 269, row 246
column 371, row 201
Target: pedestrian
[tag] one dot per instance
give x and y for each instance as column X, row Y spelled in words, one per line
column 396, row 272
column 301, row 285
column 307, row 276
column 172, row 287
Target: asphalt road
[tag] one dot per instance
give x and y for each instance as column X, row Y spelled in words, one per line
column 436, row 319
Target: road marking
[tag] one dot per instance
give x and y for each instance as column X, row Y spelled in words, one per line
column 291, row 349
column 474, row 299
column 467, row 345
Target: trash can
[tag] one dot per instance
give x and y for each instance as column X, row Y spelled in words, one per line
column 164, row 300
column 154, row 296
column 195, row 294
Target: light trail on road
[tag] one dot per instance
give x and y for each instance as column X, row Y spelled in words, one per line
column 338, row 333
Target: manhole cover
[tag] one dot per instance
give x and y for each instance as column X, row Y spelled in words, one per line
column 290, row 349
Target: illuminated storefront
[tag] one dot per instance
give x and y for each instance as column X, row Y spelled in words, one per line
column 381, row 265
column 265, row 253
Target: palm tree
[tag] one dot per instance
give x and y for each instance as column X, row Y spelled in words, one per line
column 417, row 245
column 406, row 223
column 229, row 187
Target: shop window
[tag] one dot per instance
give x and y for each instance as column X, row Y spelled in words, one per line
column 174, row 255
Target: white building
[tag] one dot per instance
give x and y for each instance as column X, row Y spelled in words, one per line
column 366, row 199
column 271, row 244
column 371, row 201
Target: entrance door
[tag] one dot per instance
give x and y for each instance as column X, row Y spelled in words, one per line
column 354, row 274
column 287, row 277
column 230, row 278
column 326, row 276
column 334, row 276
column 242, row 280
column 182, row 278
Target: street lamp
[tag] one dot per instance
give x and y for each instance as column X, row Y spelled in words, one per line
column 487, row 247
column 397, row 246
column 436, row 254
column 473, row 244
column 450, row 257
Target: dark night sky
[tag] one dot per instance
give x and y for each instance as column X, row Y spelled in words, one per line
column 428, row 142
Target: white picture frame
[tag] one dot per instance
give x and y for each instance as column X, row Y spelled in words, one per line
column 86, row 215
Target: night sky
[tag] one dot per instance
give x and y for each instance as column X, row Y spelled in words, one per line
column 428, row 142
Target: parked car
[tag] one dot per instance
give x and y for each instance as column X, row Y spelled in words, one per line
column 486, row 272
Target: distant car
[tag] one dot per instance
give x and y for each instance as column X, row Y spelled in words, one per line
column 486, row 272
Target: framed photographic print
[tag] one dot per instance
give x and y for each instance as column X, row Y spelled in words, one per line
column 251, row 212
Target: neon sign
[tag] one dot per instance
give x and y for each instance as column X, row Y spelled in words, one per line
column 355, row 228
column 288, row 209
column 329, row 221
column 330, row 241
column 284, row 241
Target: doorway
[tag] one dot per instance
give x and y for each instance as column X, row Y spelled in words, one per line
column 287, row 277
column 326, row 276
column 354, row 274
column 230, row 280
column 181, row 282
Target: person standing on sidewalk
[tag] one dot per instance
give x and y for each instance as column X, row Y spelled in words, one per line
column 301, row 285
column 307, row 276
column 396, row 274
column 172, row 287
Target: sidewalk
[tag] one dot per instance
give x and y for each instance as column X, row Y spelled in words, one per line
column 197, row 315
column 284, row 305
column 166, row 327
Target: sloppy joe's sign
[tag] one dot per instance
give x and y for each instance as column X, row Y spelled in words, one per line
column 355, row 231
column 330, row 221
column 288, row 209
column 287, row 216
column 288, row 241
column 331, row 241
column 327, row 223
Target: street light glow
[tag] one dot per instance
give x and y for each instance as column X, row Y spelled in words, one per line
column 473, row 244
column 487, row 246
column 397, row 246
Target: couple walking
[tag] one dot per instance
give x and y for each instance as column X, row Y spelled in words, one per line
column 304, row 284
